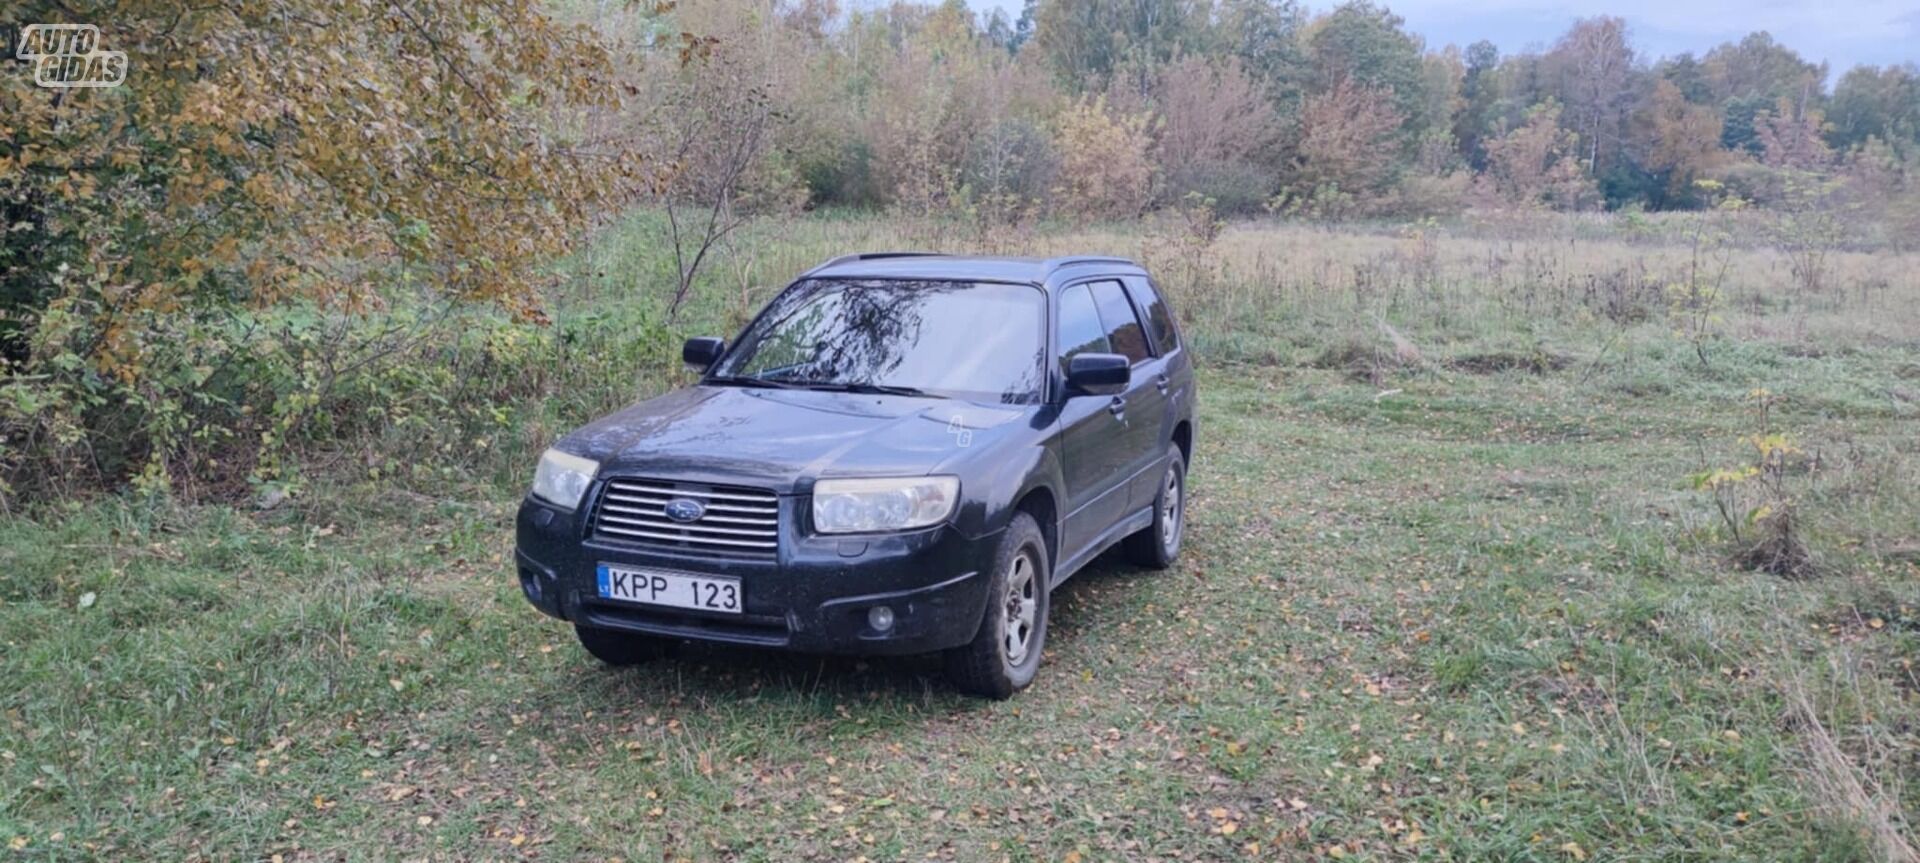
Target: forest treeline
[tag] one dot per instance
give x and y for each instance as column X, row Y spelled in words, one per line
column 1106, row 109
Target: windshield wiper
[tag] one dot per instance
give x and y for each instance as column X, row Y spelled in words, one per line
column 749, row 381
column 870, row 388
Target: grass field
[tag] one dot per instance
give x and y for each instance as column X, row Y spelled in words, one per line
column 1448, row 593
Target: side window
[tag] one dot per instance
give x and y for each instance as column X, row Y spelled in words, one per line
column 1080, row 329
column 1159, row 317
column 1123, row 325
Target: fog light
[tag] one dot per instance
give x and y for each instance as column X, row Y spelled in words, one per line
column 880, row 618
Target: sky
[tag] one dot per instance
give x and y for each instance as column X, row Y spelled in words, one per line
column 1842, row 32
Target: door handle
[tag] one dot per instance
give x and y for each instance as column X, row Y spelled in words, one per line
column 1161, row 382
column 1117, row 407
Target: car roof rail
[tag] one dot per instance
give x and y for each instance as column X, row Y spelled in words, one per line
column 872, row 256
column 1053, row 264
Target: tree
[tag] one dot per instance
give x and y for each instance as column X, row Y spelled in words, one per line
column 320, row 155
column 718, row 127
column 1592, row 67
column 1264, row 36
column 1876, row 102
column 1479, row 92
column 1682, row 141
column 1105, row 170
column 1344, row 144
column 1216, row 130
column 1686, row 73
column 1757, row 66
column 1086, row 41
column 1365, row 45
column 1792, row 136
column 1537, row 165
column 1749, row 76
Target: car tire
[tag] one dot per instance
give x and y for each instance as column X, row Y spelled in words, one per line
column 1157, row 545
column 622, row 648
column 994, row 664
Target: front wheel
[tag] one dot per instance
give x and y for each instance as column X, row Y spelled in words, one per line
column 1157, row 545
column 1005, row 653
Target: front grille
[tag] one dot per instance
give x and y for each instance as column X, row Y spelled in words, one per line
column 738, row 521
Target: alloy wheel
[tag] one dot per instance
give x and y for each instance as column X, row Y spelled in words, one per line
column 1021, row 607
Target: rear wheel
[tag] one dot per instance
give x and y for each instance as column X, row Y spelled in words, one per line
column 1157, row 545
column 1004, row 654
column 622, row 648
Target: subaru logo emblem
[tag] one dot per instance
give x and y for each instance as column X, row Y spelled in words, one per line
column 685, row 509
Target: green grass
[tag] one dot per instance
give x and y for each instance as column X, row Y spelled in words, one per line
column 1447, row 615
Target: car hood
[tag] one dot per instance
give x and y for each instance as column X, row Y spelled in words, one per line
column 781, row 439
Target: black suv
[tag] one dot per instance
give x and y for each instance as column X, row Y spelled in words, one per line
column 902, row 453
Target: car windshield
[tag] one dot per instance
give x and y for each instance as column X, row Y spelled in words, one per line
column 977, row 341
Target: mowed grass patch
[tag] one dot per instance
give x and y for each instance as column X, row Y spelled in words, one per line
column 1482, row 617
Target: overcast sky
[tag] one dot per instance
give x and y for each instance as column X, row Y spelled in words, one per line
column 1841, row 32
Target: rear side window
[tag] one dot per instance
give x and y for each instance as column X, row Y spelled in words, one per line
column 1159, row 317
column 1080, row 328
column 1124, row 332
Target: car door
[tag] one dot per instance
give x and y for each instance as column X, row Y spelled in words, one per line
column 1144, row 404
column 1171, row 378
column 1090, row 427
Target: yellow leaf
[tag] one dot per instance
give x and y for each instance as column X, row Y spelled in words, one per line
column 1573, row 849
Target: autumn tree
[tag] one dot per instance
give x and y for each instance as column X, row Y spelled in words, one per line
column 1346, row 144
column 1105, row 167
column 1682, row 140
column 259, row 152
column 1792, row 136
column 1750, row 76
column 1367, row 45
column 1217, row 132
column 1538, row 164
column 1592, row 69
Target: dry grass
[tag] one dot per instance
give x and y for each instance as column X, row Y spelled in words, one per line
column 1843, row 786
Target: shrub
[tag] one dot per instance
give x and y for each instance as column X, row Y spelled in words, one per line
column 1105, row 172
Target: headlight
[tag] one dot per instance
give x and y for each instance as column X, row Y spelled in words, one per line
column 562, row 479
column 872, row 505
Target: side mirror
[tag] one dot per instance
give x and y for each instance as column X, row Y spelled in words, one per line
column 1097, row 374
column 702, row 352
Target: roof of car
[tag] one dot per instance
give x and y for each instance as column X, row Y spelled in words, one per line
column 929, row 265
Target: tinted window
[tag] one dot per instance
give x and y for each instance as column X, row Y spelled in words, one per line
column 1123, row 326
column 975, row 341
column 1080, row 329
column 1159, row 317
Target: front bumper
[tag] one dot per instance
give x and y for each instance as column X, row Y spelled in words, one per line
column 813, row 596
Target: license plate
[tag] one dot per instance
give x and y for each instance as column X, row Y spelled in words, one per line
column 676, row 589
